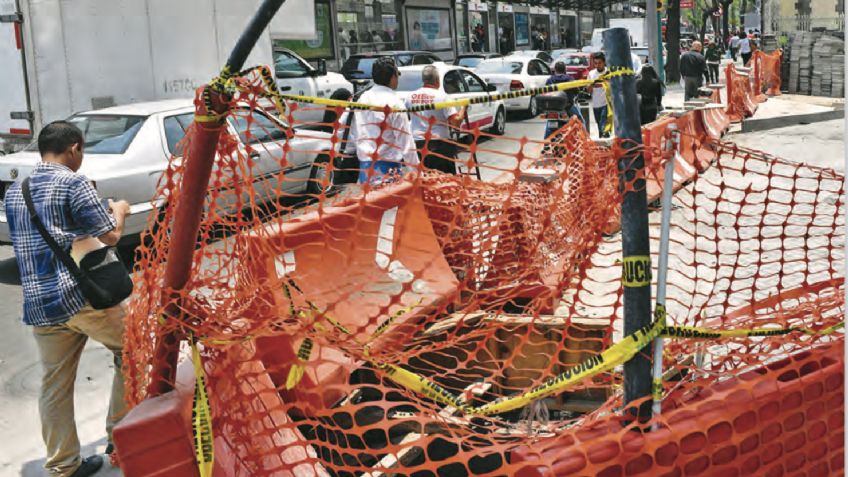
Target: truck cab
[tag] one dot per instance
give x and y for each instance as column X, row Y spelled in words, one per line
column 296, row 76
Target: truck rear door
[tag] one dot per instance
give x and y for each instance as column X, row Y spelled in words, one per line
column 15, row 118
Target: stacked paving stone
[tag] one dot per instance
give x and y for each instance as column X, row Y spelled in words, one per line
column 828, row 67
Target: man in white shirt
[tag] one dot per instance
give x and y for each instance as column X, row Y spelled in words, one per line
column 393, row 129
column 599, row 95
column 441, row 154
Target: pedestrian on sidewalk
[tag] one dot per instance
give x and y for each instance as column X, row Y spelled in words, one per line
column 396, row 148
column 692, row 68
column 650, row 92
column 745, row 48
column 599, row 95
column 54, row 306
column 713, row 57
column 441, row 152
column 734, row 46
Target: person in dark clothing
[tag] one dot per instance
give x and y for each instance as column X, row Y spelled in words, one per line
column 713, row 58
column 560, row 76
column 692, row 68
column 650, row 90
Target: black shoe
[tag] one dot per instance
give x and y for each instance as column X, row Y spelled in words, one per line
column 90, row 465
column 109, row 449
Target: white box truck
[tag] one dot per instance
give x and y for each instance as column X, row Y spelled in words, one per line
column 58, row 57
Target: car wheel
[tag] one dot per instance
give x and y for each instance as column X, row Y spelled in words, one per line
column 320, row 177
column 532, row 108
column 499, row 128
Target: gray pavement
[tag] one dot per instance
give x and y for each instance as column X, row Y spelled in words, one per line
column 21, row 448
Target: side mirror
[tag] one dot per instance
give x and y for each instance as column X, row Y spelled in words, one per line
column 322, row 67
column 491, row 88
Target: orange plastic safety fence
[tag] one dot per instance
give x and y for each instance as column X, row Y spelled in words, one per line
column 358, row 329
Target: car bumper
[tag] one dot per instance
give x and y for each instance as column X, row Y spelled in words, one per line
column 517, row 103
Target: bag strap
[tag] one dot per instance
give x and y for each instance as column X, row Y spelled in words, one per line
column 62, row 255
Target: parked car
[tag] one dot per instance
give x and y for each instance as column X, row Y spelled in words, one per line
column 471, row 60
column 357, row 68
column 459, row 82
column 578, row 65
column 560, row 54
column 516, row 72
column 127, row 148
column 296, row 76
column 540, row 54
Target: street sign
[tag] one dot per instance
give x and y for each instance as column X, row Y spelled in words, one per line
column 660, row 6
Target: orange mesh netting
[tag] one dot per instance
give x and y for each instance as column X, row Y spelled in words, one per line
column 424, row 325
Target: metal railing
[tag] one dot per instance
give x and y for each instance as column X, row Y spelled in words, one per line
column 807, row 23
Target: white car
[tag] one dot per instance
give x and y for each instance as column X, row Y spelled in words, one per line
column 127, row 148
column 513, row 73
column 459, row 82
column 296, row 76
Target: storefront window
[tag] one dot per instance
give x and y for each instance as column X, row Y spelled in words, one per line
column 322, row 45
column 367, row 26
column 429, row 29
column 522, row 29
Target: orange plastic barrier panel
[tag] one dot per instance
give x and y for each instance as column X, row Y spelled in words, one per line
column 767, row 67
column 347, row 260
column 155, row 439
column 782, row 419
column 740, row 101
column 715, row 120
column 693, row 143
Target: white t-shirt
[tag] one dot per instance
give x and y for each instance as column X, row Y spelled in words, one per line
column 398, row 145
column 599, row 95
column 637, row 63
column 744, row 45
column 421, row 120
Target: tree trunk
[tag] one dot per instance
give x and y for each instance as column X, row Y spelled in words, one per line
column 672, row 31
column 725, row 21
column 742, row 9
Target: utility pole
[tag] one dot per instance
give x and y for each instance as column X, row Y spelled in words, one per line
column 651, row 20
column 636, row 261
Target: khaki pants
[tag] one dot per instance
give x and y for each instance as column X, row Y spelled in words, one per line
column 60, row 347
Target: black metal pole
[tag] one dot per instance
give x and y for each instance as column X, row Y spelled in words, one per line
column 636, row 271
column 251, row 34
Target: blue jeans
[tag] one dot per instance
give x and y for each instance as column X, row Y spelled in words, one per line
column 601, row 119
column 381, row 168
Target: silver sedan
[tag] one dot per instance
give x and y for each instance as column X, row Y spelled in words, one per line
column 127, row 149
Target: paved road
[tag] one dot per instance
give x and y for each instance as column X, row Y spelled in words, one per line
column 21, row 448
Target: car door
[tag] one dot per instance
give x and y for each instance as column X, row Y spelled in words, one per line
column 265, row 138
column 455, row 87
column 479, row 115
column 294, row 76
column 539, row 72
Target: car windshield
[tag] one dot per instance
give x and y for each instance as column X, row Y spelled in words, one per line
column 470, row 62
column 502, row 67
column 104, row 133
column 410, row 81
column 558, row 53
column 577, row 61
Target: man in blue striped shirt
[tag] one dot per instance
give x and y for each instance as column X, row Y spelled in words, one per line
column 54, row 305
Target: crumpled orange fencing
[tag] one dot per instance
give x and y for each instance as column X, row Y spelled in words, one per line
column 354, row 330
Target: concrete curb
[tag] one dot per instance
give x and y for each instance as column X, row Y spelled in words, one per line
column 751, row 125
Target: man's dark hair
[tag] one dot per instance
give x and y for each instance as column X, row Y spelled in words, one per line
column 599, row 56
column 58, row 136
column 383, row 70
column 559, row 67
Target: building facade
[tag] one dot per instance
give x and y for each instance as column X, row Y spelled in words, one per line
column 446, row 27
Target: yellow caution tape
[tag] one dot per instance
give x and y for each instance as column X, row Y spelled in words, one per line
column 201, row 417
column 613, row 356
column 459, row 102
column 636, row 271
